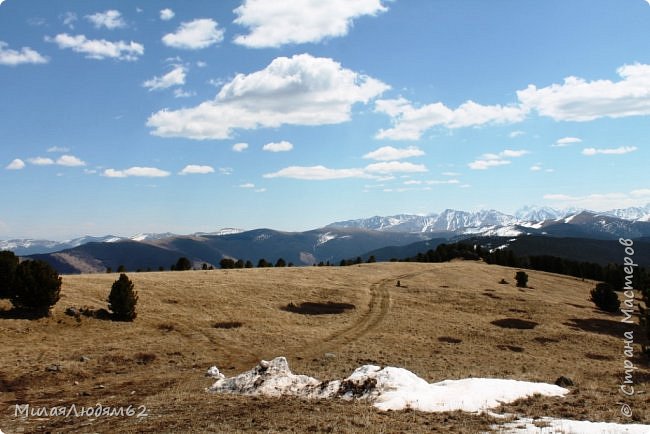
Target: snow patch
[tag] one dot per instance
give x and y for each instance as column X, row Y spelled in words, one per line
column 547, row 425
column 323, row 238
column 387, row 388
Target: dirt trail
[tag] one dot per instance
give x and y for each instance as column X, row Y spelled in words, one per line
column 378, row 308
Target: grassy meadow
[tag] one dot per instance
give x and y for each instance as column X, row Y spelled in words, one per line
column 445, row 321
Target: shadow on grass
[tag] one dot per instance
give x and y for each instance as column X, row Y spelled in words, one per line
column 311, row 308
column 612, row 327
column 15, row 313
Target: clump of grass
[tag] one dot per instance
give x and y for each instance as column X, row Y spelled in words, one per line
column 227, row 325
column 166, row 327
column 144, row 358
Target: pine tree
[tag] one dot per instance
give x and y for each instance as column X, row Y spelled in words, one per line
column 183, row 264
column 122, row 299
column 605, row 298
column 280, row 263
column 8, row 264
column 522, row 279
column 36, row 287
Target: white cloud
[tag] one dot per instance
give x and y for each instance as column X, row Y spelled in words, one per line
column 239, row 147
column 580, row 100
column 111, row 19
column 395, row 167
column 513, row 154
column 412, row 182
column 166, row 14
column 601, row 201
column 57, row 149
column 226, row 170
column 180, row 93
column 486, row 161
column 175, row 77
column 70, row 161
column 316, row 173
column 448, row 181
column 201, row 64
column 515, row 134
column 536, row 167
column 247, row 185
column 451, row 174
column 282, row 146
column 566, row 141
column 25, row 56
column 147, row 172
column 260, row 190
column 98, row 48
column 387, row 153
column 194, row 35
column 40, row 161
column 409, row 122
column 380, row 171
column 611, row 151
column 193, row 169
column 16, row 164
column 69, row 19
column 301, row 90
column 274, row 23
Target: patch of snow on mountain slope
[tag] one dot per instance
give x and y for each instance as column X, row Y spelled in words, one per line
column 547, row 425
column 387, row 388
column 323, row 238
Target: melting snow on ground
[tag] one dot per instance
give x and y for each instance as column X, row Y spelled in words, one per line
column 547, row 425
column 387, row 388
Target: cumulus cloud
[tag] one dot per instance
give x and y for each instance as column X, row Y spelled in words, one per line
column 194, row 35
column 40, row 161
column 70, row 161
column 98, row 48
column 282, row 146
column 409, row 122
column 147, row 172
column 247, row 185
column 515, row 134
column 601, row 201
column 16, row 164
column 580, row 100
column 395, row 167
column 26, row 55
column 239, row 147
column 175, row 77
column 69, row 19
column 111, row 19
column 388, row 153
column 375, row 170
column 487, row 161
column 194, row 169
column 566, row 141
column 609, row 151
column 167, row 14
column 316, row 173
column 180, row 93
column 274, row 23
column 57, row 149
column 300, row 90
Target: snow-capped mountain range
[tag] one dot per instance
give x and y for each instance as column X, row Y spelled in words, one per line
column 492, row 222
column 33, row 246
column 629, row 222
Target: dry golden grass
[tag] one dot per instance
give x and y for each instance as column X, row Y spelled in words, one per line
column 438, row 324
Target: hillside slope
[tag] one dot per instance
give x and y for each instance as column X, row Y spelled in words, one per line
column 444, row 321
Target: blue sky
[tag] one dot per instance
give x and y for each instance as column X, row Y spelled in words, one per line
column 151, row 116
